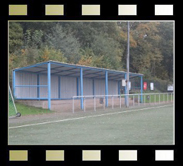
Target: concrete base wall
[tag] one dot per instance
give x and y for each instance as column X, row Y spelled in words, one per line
column 67, row 105
column 34, row 103
column 56, row 105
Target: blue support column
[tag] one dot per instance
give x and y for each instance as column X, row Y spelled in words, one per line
column 38, row 88
column 106, row 88
column 14, row 75
column 126, row 91
column 81, row 87
column 119, row 87
column 49, row 85
column 141, row 85
column 77, row 85
column 93, row 82
column 59, row 87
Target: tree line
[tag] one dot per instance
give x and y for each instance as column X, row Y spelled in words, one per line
column 98, row 44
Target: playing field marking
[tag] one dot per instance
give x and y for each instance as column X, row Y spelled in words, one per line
column 84, row 117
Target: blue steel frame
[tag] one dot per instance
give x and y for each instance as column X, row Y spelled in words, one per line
column 82, row 68
column 30, row 85
column 75, row 66
column 49, row 85
column 119, row 92
column 126, row 91
column 59, row 87
column 77, row 85
column 106, row 88
column 93, row 82
column 28, row 67
column 38, row 89
column 141, row 83
column 81, row 87
column 69, row 75
column 14, row 77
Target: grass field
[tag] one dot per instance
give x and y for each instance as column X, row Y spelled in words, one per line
column 154, row 98
column 133, row 126
column 26, row 110
column 12, row 111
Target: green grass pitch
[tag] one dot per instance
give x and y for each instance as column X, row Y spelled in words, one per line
column 132, row 126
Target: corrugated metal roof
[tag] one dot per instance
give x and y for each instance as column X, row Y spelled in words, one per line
column 66, row 69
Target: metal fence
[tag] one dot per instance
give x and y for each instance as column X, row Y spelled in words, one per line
column 159, row 85
column 94, row 102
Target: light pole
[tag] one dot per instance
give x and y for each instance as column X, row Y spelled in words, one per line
column 127, row 65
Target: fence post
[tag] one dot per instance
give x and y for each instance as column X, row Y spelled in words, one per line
column 120, row 101
column 84, row 103
column 167, row 97
column 104, row 103
column 155, row 99
column 150, row 99
column 133, row 100
column 94, row 103
column 172, row 97
column 72, row 104
column 159, row 98
column 112, row 102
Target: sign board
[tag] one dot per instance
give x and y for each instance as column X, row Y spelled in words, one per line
column 170, row 88
column 145, row 85
column 129, row 85
column 151, row 86
column 123, row 82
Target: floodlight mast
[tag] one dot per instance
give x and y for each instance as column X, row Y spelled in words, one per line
column 127, row 65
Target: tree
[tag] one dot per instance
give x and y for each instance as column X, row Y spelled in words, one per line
column 109, row 49
column 66, row 43
column 47, row 53
column 33, row 38
column 99, row 44
column 146, row 53
column 15, row 36
column 166, row 47
column 87, row 57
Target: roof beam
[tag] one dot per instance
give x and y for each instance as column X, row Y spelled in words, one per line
column 46, row 69
column 69, row 74
column 135, row 76
column 96, row 73
column 97, row 77
column 31, row 66
column 116, row 75
column 64, row 70
column 85, row 68
column 57, row 68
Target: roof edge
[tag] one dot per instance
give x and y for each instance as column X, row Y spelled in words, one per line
column 73, row 65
